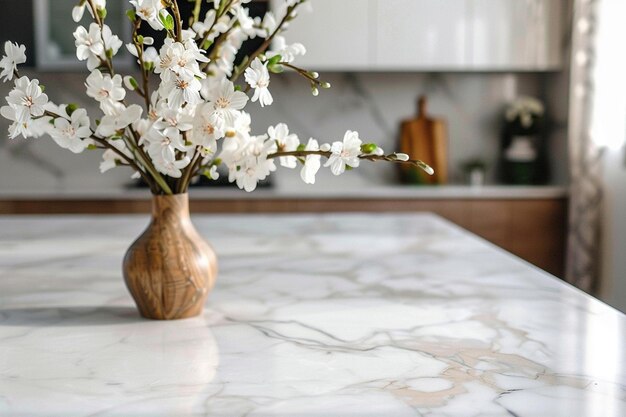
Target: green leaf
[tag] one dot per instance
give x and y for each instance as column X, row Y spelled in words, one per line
column 70, row 108
column 169, row 22
column 274, row 60
column 301, row 147
column 42, row 87
column 276, row 69
column 91, row 147
column 237, row 87
column 109, row 53
column 131, row 15
column 207, row 44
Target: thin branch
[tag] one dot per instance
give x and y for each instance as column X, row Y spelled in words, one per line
column 189, row 173
column 369, row 157
column 268, row 41
column 177, row 20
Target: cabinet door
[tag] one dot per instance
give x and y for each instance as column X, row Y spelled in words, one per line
column 421, row 34
column 336, row 35
column 516, row 34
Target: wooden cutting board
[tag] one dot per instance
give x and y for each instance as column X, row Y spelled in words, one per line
column 424, row 138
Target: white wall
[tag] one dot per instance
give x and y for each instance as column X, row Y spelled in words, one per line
column 372, row 103
column 609, row 130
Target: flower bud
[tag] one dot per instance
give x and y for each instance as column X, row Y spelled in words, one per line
column 325, row 84
column 315, row 91
column 402, row 157
column 130, row 83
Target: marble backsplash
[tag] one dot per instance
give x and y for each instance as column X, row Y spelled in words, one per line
column 372, row 103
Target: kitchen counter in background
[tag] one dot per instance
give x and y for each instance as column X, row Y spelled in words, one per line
column 528, row 221
column 318, row 315
column 304, row 192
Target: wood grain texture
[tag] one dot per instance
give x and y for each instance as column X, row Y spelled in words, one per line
column 170, row 269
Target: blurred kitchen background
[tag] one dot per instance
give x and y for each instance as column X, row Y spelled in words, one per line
column 503, row 97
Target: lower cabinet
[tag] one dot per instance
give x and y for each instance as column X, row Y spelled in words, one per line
column 533, row 229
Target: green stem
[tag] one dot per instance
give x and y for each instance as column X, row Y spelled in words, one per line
column 196, row 12
column 177, row 20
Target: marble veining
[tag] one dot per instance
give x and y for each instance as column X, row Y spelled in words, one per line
column 316, row 315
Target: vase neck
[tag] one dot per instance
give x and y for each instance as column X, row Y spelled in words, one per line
column 170, row 206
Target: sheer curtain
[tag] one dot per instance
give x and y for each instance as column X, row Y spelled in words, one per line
column 596, row 123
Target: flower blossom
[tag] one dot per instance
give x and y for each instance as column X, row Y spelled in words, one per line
column 226, row 101
column 258, row 77
column 345, row 153
column 71, row 133
column 14, row 54
column 27, row 99
column 105, row 90
column 79, row 10
column 285, row 142
column 93, row 45
column 149, row 10
column 119, row 120
column 312, row 163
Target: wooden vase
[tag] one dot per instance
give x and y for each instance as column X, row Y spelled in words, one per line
column 170, row 269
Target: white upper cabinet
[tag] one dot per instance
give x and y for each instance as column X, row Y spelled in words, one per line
column 515, row 34
column 336, row 35
column 424, row 34
column 430, row 35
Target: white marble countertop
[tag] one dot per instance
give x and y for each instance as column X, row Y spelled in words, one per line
column 327, row 315
column 307, row 192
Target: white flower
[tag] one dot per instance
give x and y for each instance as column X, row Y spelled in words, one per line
column 176, row 118
column 226, row 101
column 164, row 144
column 255, row 166
column 106, row 90
column 90, row 45
column 312, row 163
column 27, row 99
column 110, row 158
column 71, row 134
column 14, row 54
column 120, row 120
column 180, row 60
column 79, row 10
column 181, row 90
column 258, row 77
column 285, row 142
column 268, row 26
column 246, row 23
column 149, row 10
column 345, row 153
column 111, row 42
column 18, row 127
column 221, row 26
column 288, row 53
column 171, row 168
column 208, row 127
column 150, row 55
